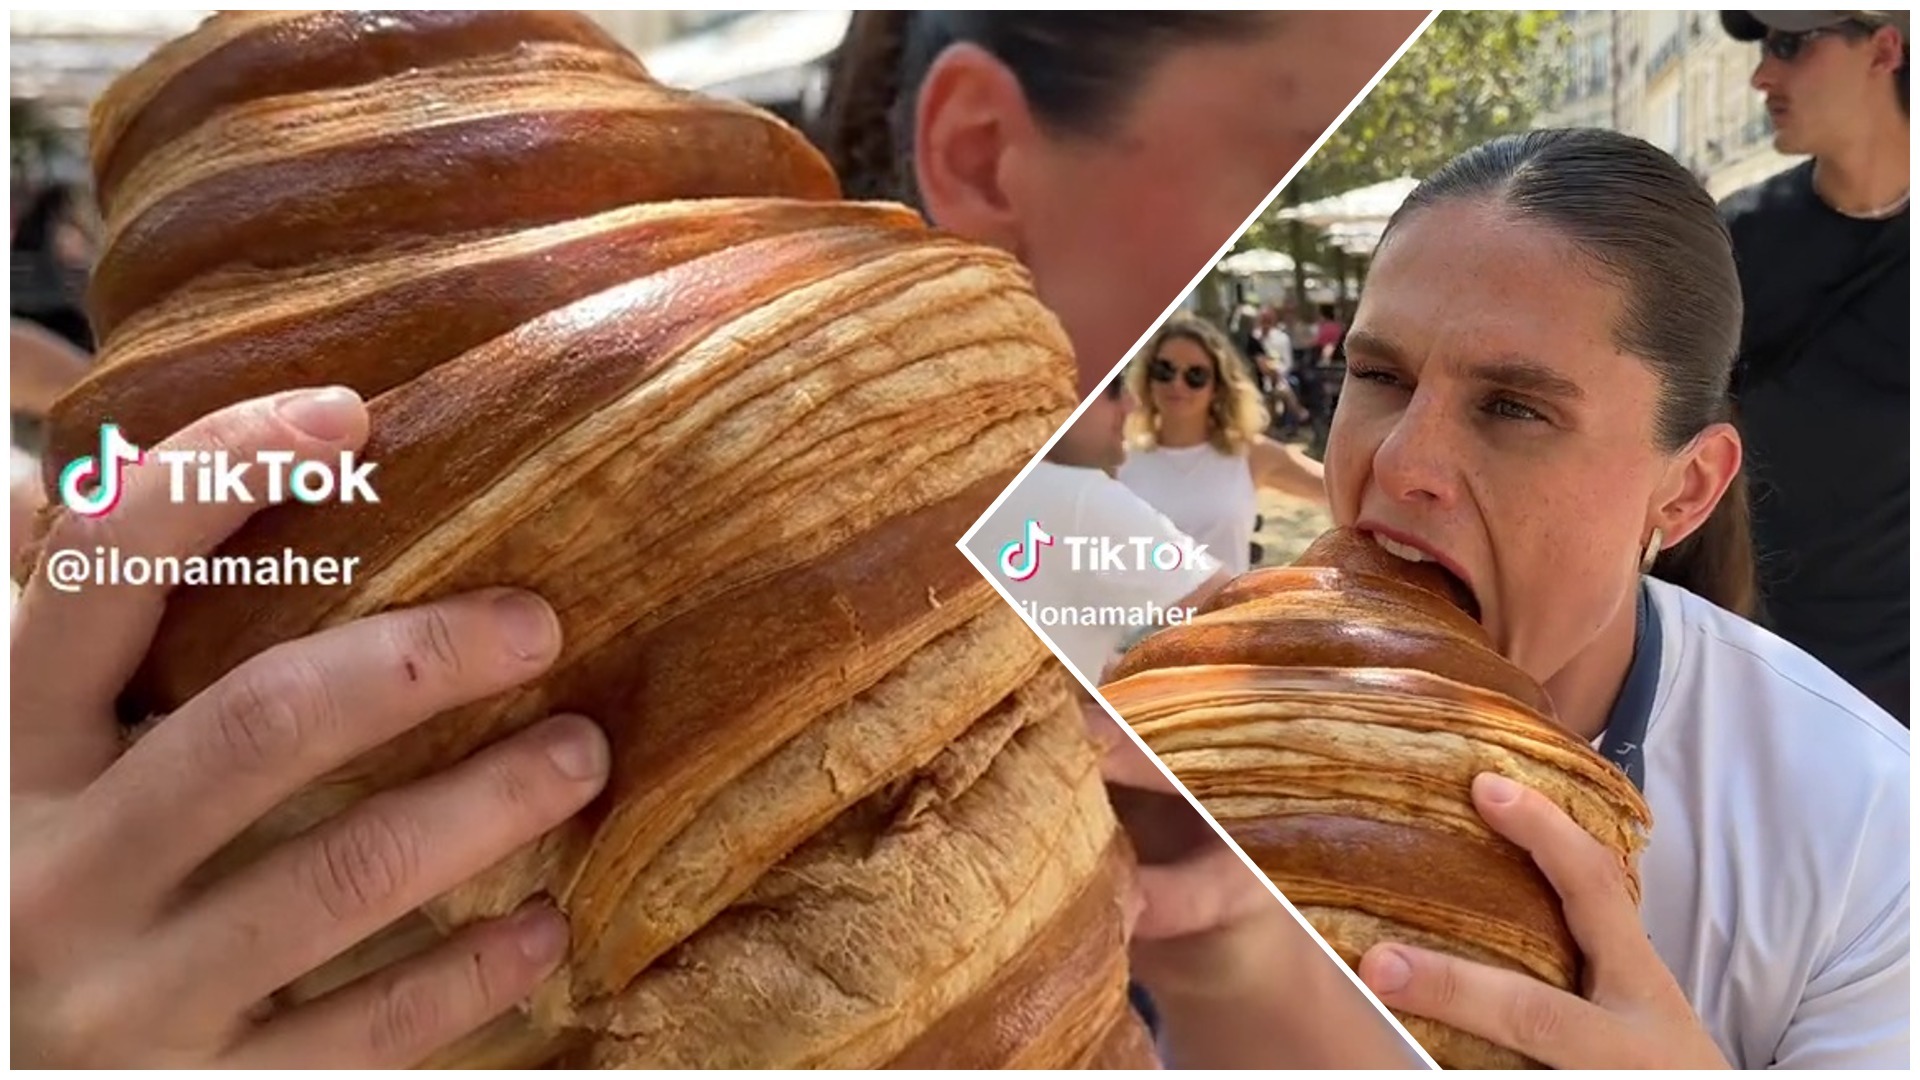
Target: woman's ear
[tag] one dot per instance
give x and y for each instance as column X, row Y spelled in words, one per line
column 972, row 134
column 1697, row 481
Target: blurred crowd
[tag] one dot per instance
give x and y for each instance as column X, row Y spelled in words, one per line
column 51, row 345
column 1297, row 361
column 53, row 243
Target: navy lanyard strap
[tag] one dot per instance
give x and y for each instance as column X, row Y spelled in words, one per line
column 1623, row 741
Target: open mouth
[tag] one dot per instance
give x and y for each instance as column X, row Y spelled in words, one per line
column 1433, row 571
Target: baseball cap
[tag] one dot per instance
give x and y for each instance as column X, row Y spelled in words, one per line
column 1753, row 25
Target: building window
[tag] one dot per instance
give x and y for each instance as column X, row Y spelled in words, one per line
column 1663, row 29
column 1665, row 116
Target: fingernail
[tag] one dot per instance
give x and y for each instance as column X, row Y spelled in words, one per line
column 325, row 414
column 1387, row 971
column 1497, row 789
column 543, row 935
column 531, row 628
column 578, row 749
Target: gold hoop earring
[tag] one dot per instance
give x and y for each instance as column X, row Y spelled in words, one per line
column 1652, row 553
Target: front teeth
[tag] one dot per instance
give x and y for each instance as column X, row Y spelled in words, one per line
column 1394, row 547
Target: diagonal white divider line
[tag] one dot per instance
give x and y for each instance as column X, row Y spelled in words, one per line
column 1093, row 690
column 1418, row 32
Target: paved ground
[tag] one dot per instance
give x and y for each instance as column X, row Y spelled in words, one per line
column 1291, row 524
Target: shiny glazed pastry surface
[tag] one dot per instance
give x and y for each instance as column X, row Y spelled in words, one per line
column 625, row 347
column 1332, row 715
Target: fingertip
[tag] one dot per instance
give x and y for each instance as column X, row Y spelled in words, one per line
column 1386, row 969
column 542, row 935
column 330, row 414
column 578, row 749
column 529, row 624
column 1493, row 789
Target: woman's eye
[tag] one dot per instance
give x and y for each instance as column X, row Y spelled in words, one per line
column 1512, row 410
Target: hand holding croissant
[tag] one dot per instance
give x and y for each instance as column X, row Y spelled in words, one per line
column 1631, row 1014
column 121, row 955
column 1332, row 715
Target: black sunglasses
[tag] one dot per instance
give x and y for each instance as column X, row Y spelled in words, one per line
column 1787, row 47
column 1164, row 371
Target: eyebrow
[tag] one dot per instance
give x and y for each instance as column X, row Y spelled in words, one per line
column 1509, row 371
column 1528, row 376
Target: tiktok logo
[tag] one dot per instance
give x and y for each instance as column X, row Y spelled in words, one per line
column 1020, row 560
column 101, row 473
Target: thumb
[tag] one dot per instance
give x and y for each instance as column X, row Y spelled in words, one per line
column 94, row 632
column 1206, row 891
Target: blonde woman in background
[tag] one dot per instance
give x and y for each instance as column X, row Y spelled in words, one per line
column 1198, row 451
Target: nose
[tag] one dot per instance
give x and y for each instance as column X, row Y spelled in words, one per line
column 1766, row 74
column 1419, row 459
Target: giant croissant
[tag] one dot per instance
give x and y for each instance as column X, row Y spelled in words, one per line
column 625, row 347
column 1332, row 715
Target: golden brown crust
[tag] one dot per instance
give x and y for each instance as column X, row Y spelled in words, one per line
column 1332, row 717
column 1351, row 551
column 376, row 326
column 245, row 57
column 1127, row 1045
column 1429, row 880
column 1352, row 933
column 623, row 349
column 1330, row 618
column 1057, row 1002
column 911, row 904
column 488, row 173
column 443, row 439
column 267, row 141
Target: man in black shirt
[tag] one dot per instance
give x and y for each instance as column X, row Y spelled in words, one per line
column 1821, row 385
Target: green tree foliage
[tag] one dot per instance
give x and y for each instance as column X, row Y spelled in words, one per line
column 1472, row 76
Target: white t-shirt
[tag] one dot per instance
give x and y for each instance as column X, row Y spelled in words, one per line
column 1279, row 349
column 1776, row 880
column 1207, row 494
column 1107, row 568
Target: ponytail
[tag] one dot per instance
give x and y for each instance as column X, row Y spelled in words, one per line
column 857, row 123
column 1717, row 561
